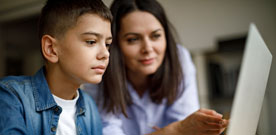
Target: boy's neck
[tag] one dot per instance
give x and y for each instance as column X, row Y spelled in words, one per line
column 60, row 85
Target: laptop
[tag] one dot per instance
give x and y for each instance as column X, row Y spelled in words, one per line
column 251, row 85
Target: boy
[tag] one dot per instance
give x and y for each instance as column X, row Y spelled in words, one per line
column 75, row 35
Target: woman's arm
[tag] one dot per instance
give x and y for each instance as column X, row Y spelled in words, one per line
column 201, row 122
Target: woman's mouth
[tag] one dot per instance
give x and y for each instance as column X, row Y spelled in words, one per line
column 147, row 61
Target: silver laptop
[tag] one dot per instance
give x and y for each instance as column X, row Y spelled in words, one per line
column 251, row 85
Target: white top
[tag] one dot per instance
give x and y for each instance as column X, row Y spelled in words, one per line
column 66, row 122
column 144, row 114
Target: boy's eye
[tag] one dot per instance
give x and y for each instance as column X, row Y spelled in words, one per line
column 107, row 46
column 90, row 42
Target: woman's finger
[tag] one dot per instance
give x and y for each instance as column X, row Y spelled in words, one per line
column 156, row 128
column 210, row 112
column 211, row 119
column 213, row 126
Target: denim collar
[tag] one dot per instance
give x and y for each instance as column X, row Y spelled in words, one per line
column 43, row 97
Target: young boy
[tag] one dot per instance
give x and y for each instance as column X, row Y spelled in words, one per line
column 75, row 35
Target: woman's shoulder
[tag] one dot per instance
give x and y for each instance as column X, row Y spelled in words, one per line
column 90, row 89
column 93, row 90
column 89, row 102
column 183, row 51
column 184, row 55
column 186, row 60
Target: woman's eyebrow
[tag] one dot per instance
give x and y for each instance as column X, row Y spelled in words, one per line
column 131, row 33
column 136, row 34
column 157, row 30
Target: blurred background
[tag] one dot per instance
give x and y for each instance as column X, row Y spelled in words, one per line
column 214, row 31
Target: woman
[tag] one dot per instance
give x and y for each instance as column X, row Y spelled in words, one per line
column 151, row 81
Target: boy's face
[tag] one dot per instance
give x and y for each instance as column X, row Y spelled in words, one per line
column 83, row 50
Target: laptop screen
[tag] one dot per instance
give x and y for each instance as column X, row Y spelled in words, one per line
column 251, row 85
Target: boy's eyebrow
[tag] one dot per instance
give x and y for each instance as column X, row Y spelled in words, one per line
column 109, row 38
column 95, row 34
column 92, row 33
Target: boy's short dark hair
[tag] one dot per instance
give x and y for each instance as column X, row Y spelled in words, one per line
column 57, row 16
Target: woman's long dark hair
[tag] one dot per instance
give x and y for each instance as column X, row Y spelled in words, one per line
column 164, row 83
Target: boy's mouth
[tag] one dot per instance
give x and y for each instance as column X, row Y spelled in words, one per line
column 100, row 69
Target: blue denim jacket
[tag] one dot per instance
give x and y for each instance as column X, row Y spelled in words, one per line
column 28, row 107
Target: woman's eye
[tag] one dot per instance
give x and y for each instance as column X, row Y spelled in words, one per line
column 90, row 42
column 132, row 40
column 156, row 36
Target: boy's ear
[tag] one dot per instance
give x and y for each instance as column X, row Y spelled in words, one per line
column 49, row 48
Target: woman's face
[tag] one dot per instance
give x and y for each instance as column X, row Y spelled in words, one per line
column 143, row 42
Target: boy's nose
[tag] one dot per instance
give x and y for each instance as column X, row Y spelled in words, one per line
column 103, row 53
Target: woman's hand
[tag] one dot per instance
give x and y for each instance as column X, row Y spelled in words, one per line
column 201, row 122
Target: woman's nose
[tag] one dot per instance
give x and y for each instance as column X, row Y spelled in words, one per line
column 147, row 46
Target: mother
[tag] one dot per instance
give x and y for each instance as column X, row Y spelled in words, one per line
column 150, row 83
